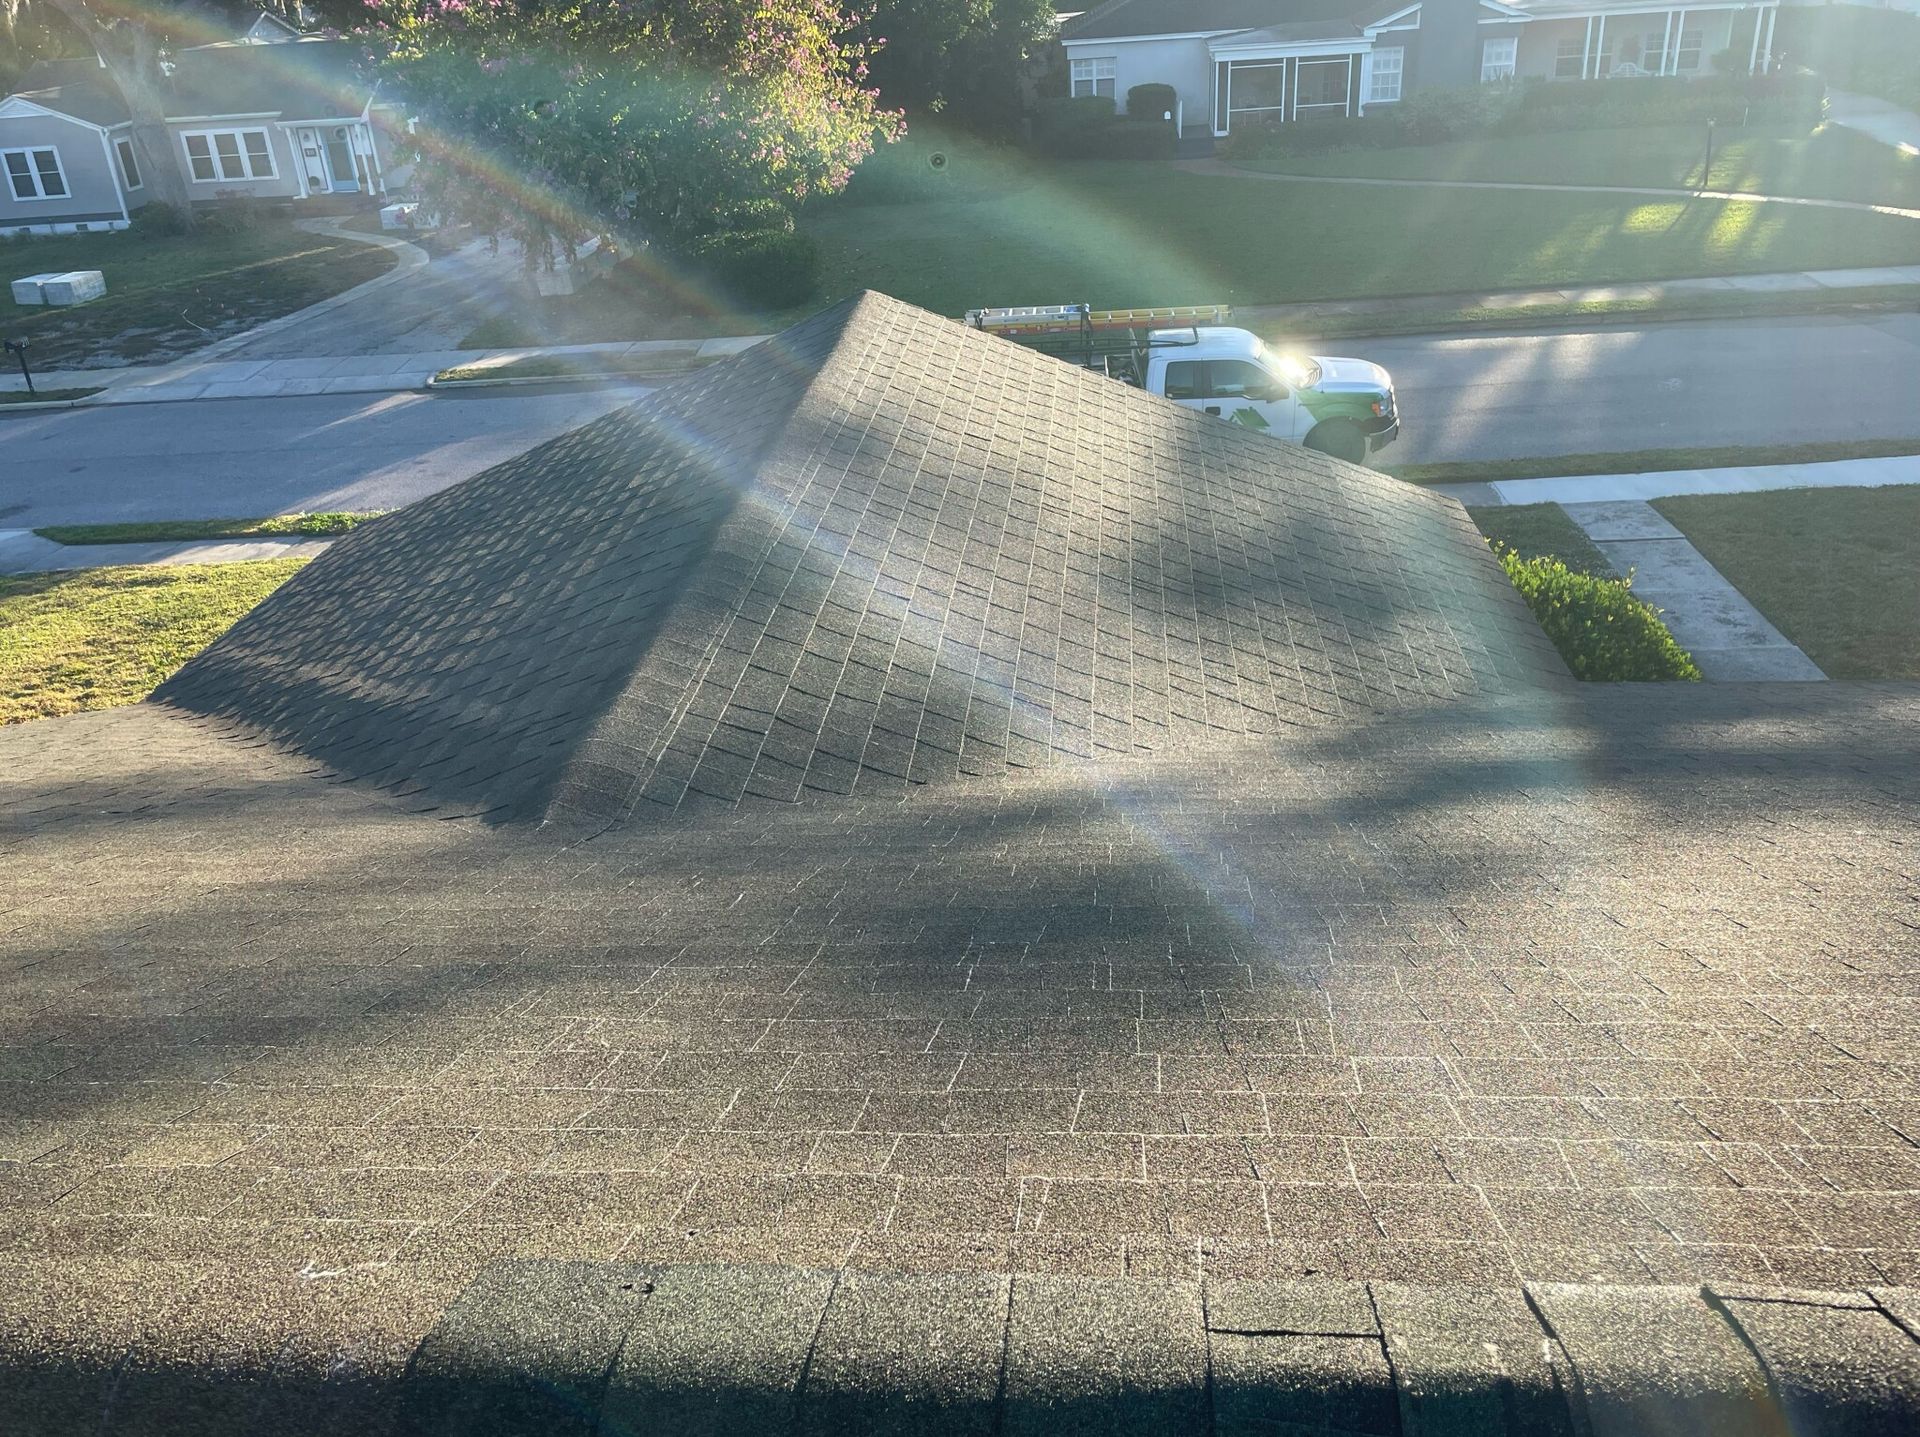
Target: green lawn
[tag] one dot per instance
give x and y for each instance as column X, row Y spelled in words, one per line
column 1118, row 234
column 278, row 526
column 43, row 396
column 1830, row 163
column 98, row 638
column 171, row 294
column 1834, row 569
column 1648, row 461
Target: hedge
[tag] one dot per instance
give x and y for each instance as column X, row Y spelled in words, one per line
column 1604, row 633
column 1432, row 117
column 1151, row 102
column 1086, row 128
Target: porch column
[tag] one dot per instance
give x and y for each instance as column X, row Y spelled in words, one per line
column 1666, row 45
column 1600, row 48
column 1753, row 50
column 1773, row 14
column 1586, row 51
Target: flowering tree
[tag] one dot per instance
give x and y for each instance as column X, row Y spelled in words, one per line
column 642, row 120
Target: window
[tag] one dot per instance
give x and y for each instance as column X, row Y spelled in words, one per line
column 129, row 166
column 35, row 174
column 1259, row 87
column 1184, row 379
column 1093, row 77
column 1238, row 379
column 1388, row 66
column 1687, row 56
column 1569, row 60
column 229, row 155
column 1321, row 84
column 1497, row 58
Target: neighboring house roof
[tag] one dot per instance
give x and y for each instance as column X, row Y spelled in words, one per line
column 306, row 79
column 650, row 505
column 79, row 88
column 1126, row 18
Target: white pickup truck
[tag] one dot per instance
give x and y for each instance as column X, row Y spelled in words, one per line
column 1342, row 407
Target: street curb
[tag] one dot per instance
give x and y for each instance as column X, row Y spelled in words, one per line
column 33, row 405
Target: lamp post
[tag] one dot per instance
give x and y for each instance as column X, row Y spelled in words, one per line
column 1706, row 172
column 18, row 349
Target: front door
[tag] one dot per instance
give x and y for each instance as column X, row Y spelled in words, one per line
column 340, row 160
column 1236, row 390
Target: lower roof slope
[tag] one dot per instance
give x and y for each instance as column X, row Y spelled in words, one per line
column 881, row 548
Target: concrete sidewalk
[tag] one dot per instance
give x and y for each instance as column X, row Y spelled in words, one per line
column 1729, row 638
column 337, row 374
column 1751, row 479
column 24, row 552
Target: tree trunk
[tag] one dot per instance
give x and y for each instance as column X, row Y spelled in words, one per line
column 131, row 54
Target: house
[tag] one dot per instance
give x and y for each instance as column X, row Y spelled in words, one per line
column 271, row 115
column 1003, row 905
column 1237, row 61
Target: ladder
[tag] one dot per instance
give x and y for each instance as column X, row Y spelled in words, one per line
column 1092, row 336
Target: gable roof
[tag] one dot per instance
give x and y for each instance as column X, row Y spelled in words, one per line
column 880, row 548
column 1121, row 19
column 80, row 88
column 305, row 79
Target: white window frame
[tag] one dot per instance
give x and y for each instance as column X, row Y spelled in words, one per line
column 1499, row 57
column 1681, row 46
column 129, row 162
column 1345, row 104
column 39, row 195
column 1092, row 72
column 218, row 161
column 1235, row 67
column 1395, row 72
column 1561, row 55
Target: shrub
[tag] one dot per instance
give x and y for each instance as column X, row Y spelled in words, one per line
column 759, row 269
column 1604, row 633
column 1150, row 102
column 157, row 219
column 233, row 217
column 1060, row 124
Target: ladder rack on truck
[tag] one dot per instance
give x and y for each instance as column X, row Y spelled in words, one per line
column 1112, row 340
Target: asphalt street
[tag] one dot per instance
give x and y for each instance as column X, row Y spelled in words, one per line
column 1462, row 397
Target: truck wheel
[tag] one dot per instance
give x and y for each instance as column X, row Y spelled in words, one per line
column 1341, row 438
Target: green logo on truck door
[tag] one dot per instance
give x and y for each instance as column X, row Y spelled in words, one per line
column 1252, row 418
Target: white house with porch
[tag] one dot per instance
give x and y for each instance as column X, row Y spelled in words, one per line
column 1239, row 61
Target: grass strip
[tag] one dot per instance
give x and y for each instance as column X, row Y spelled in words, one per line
column 45, row 396
column 98, row 638
column 1540, row 531
column 1833, row 569
column 278, row 526
column 1650, row 461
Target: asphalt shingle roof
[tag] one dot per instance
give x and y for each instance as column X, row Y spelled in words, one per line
column 74, row 87
column 1530, row 1059
column 296, row 80
column 1188, row 17
column 883, row 549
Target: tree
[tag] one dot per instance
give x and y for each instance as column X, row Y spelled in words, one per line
column 131, row 42
column 965, row 60
column 643, row 120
